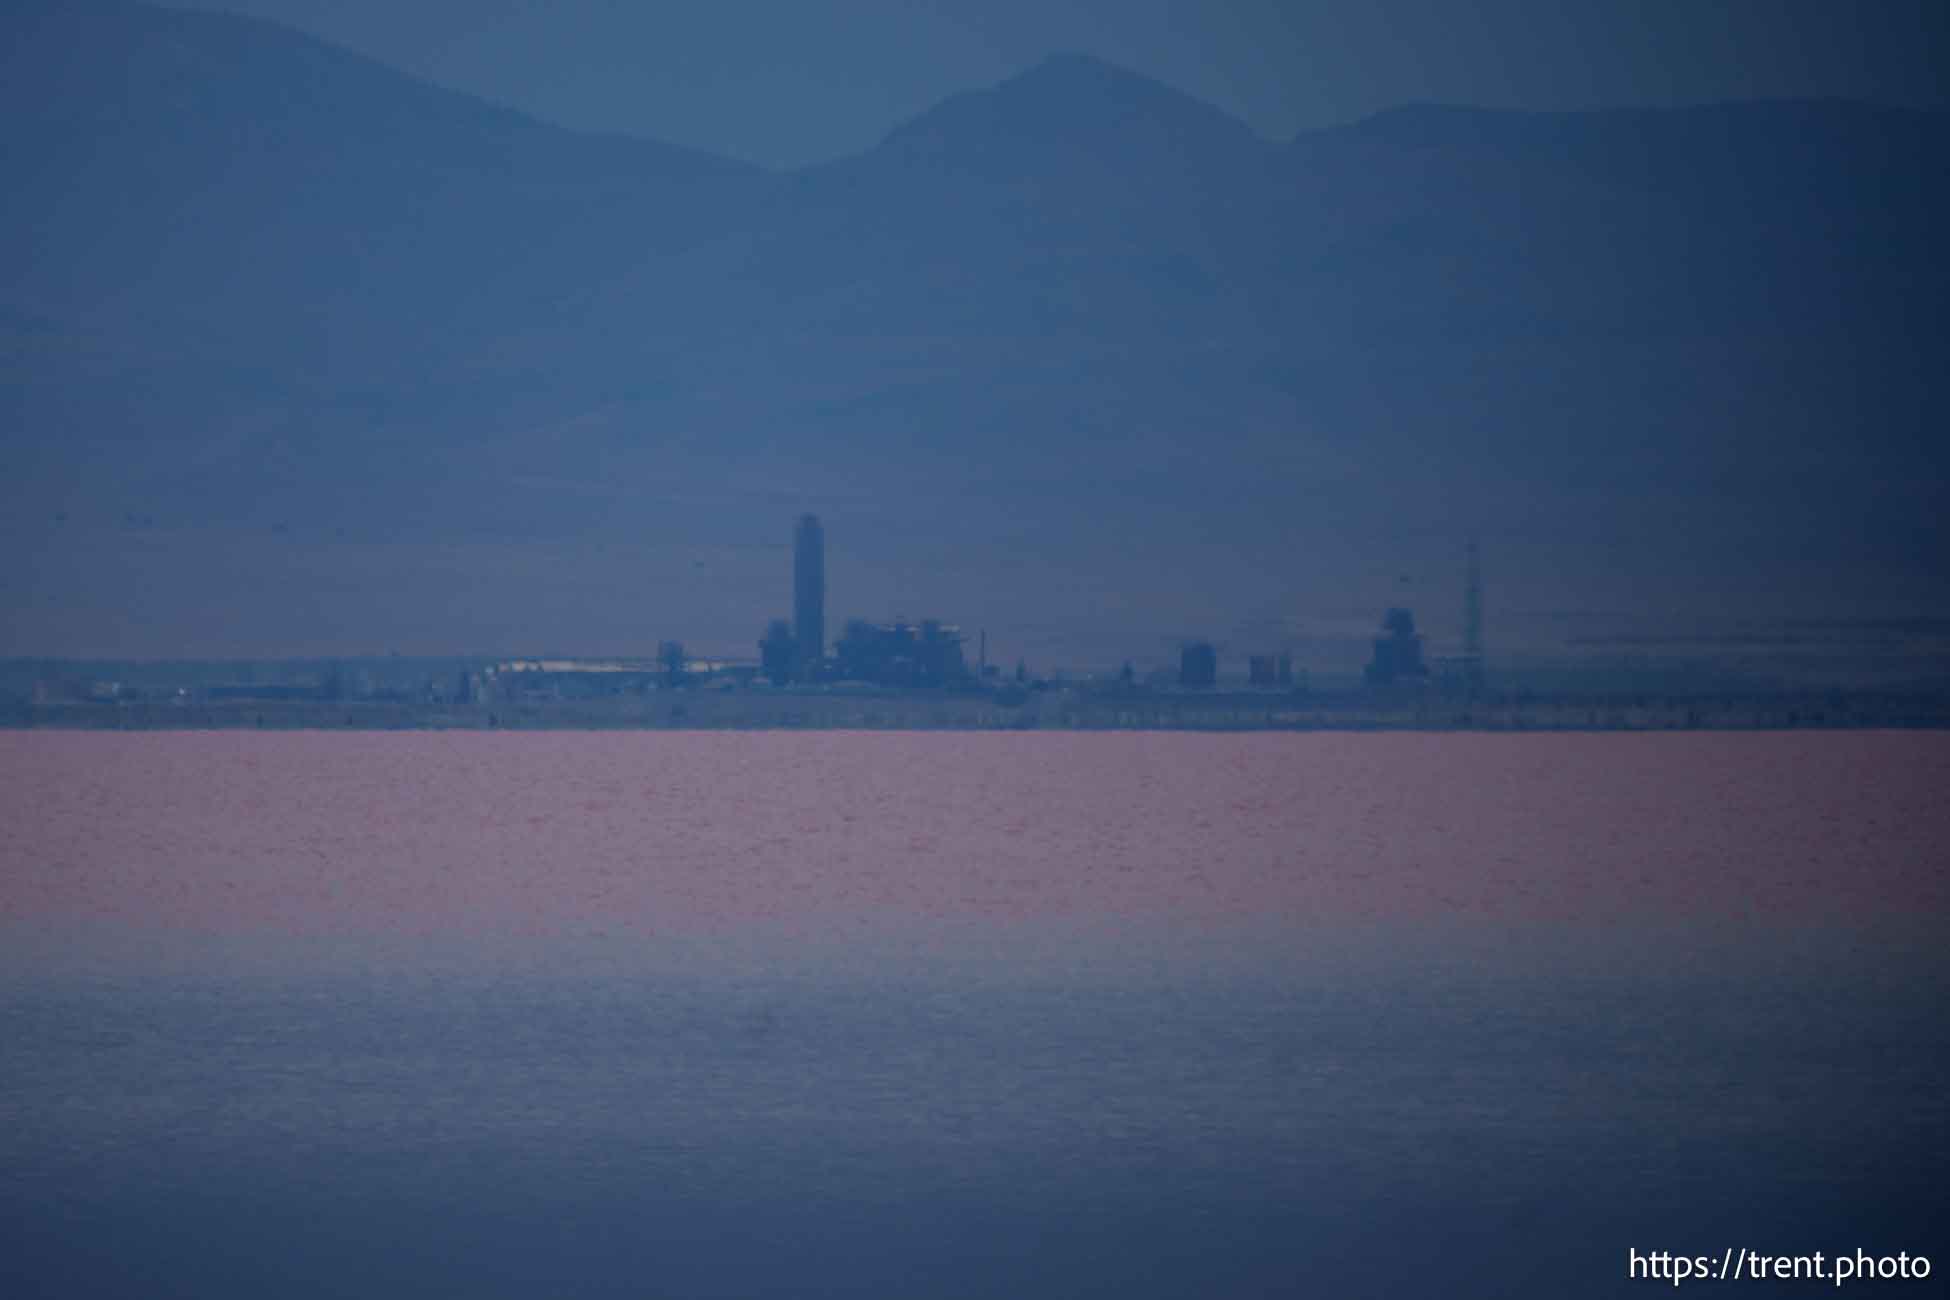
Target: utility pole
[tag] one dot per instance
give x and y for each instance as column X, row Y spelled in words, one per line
column 1473, row 624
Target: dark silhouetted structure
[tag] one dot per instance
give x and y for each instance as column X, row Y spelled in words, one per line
column 901, row 654
column 778, row 653
column 1472, row 655
column 1397, row 652
column 809, row 594
column 1198, row 665
column 671, row 658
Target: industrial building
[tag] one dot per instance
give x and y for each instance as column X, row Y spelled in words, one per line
column 1397, row 652
column 1198, row 664
column 928, row 653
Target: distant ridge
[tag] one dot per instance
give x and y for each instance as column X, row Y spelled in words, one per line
column 1065, row 103
column 193, row 62
column 277, row 319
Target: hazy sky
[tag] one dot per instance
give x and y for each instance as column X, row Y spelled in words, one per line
column 785, row 82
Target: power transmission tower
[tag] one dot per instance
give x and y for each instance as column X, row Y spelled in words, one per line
column 1473, row 624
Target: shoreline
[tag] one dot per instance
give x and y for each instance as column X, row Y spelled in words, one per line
column 760, row 710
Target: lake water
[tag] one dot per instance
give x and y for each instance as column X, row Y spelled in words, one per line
column 918, row 1014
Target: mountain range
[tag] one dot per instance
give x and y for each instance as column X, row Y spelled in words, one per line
column 302, row 355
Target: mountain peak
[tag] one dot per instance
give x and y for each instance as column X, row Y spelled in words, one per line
column 1072, row 100
column 1074, row 67
column 1076, row 89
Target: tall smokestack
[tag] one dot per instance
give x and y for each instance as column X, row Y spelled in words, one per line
column 809, row 591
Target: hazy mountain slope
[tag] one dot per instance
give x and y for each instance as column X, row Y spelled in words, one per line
column 247, row 273
column 1438, row 320
column 198, row 178
column 1076, row 357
